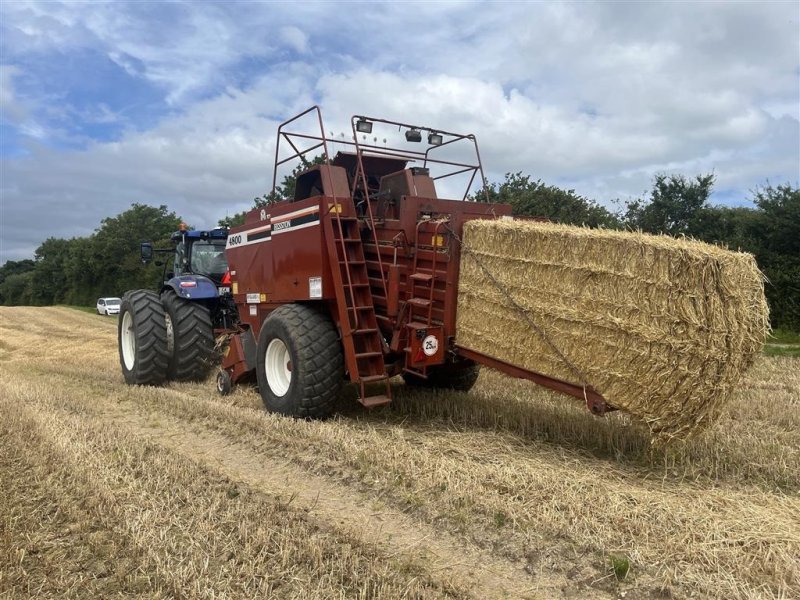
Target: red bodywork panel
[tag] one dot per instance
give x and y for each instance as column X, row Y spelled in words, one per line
column 280, row 255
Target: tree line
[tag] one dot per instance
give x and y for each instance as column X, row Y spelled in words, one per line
column 78, row 270
column 81, row 269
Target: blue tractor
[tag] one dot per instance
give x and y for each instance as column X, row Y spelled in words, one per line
column 170, row 335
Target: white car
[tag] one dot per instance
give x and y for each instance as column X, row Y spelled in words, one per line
column 108, row 306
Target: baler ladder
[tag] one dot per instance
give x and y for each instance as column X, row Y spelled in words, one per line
column 422, row 285
column 361, row 338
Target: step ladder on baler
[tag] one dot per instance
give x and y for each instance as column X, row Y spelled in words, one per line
column 422, row 284
column 361, row 338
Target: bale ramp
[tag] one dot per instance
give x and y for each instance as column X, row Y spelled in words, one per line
column 662, row 327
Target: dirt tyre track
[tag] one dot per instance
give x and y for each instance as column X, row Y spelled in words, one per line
column 192, row 339
column 460, row 376
column 299, row 364
column 142, row 338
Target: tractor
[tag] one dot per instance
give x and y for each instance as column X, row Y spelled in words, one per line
column 169, row 334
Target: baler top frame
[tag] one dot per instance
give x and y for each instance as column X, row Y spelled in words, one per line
column 364, row 151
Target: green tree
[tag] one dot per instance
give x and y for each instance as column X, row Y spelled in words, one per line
column 78, row 270
column 15, row 281
column 673, row 207
column 82, row 273
column 49, row 282
column 780, row 207
column 16, row 289
column 778, row 251
column 536, row 199
column 114, row 257
column 733, row 227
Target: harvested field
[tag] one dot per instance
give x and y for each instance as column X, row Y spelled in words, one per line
column 509, row 491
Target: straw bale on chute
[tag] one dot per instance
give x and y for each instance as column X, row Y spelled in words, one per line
column 661, row 327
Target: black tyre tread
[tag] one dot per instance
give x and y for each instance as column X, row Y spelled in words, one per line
column 459, row 376
column 320, row 374
column 193, row 347
column 150, row 334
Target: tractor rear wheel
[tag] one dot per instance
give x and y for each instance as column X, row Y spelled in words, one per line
column 459, row 376
column 299, row 364
column 190, row 338
column 142, row 338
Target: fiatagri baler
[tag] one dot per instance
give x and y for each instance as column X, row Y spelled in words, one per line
column 356, row 277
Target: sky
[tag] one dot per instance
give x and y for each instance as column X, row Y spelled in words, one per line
column 103, row 105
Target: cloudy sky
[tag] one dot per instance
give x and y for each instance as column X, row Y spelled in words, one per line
column 176, row 103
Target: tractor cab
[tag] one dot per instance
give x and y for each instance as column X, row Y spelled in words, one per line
column 200, row 253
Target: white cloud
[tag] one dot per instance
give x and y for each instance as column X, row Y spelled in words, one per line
column 10, row 109
column 597, row 97
column 295, row 39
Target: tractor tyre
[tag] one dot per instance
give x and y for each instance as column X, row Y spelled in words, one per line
column 142, row 338
column 459, row 376
column 300, row 366
column 190, row 338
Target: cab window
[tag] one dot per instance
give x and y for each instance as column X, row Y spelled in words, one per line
column 208, row 258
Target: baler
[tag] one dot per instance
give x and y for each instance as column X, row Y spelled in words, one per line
column 355, row 278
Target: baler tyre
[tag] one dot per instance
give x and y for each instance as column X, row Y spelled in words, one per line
column 300, row 367
column 142, row 338
column 459, row 376
column 190, row 338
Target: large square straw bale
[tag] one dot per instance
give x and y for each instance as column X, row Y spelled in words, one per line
column 662, row 327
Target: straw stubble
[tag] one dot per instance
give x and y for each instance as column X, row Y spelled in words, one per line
column 661, row 327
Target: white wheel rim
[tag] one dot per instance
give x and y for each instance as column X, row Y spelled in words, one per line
column 277, row 363
column 128, row 341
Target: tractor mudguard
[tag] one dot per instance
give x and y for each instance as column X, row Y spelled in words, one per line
column 193, row 287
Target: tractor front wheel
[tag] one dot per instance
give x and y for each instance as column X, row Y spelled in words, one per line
column 224, row 382
column 142, row 338
column 299, row 364
column 190, row 338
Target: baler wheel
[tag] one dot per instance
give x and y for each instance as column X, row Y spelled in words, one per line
column 190, row 338
column 459, row 376
column 142, row 338
column 299, row 364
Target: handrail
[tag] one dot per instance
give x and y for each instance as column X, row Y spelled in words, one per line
column 285, row 134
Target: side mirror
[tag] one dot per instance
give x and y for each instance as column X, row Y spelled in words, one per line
column 146, row 252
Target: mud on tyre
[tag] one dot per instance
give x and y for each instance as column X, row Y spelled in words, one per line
column 142, row 338
column 299, row 364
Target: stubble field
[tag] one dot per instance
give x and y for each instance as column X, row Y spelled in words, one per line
column 509, row 491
